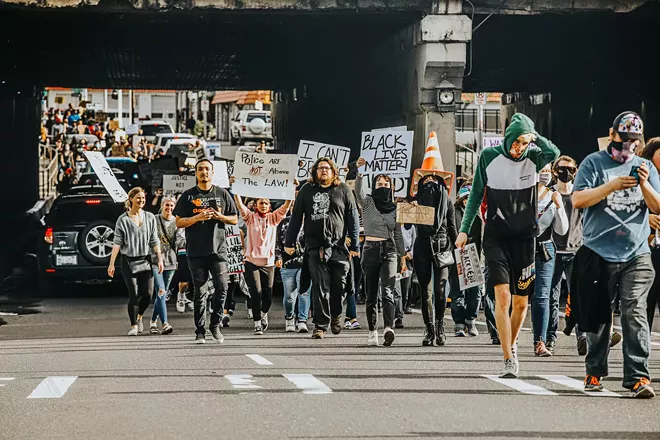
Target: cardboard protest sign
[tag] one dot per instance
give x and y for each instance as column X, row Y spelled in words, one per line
column 265, row 175
column 173, row 184
column 106, row 176
column 310, row 151
column 387, row 152
column 468, row 266
column 220, row 176
column 234, row 250
column 415, row 214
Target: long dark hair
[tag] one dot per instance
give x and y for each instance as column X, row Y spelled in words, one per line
column 314, row 176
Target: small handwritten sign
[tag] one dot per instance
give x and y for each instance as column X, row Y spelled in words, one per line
column 415, row 214
column 468, row 267
column 234, row 249
column 106, row 176
column 177, row 184
column 265, row 175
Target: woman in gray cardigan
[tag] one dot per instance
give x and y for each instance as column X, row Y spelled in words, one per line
column 136, row 234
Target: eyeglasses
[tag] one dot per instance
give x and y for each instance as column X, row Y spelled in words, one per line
column 324, row 168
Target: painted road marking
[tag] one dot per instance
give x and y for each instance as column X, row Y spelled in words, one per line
column 242, row 381
column 7, row 378
column 521, row 386
column 53, row 387
column 259, row 359
column 308, row 383
column 577, row 385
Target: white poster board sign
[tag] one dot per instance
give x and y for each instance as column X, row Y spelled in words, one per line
column 106, row 176
column 265, row 175
column 234, row 249
column 220, row 175
column 494, row 141
column 468, row 266
column 310, row 151
column 387, row 151
column 400, row 128
column 174, row 184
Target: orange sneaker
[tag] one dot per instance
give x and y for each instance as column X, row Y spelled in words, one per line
column 643, row 390
column 592, row 383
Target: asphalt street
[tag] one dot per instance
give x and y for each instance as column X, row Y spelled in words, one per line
column 68, row 372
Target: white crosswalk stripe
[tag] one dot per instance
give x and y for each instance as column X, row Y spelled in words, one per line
column 522, row 386
column 308, row 383
column 577, row 385
column 53, row 387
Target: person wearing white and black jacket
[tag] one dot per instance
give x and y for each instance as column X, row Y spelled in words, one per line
column 383, row 249
column 136, row 235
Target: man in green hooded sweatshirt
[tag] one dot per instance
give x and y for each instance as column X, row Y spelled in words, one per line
column 508, row 175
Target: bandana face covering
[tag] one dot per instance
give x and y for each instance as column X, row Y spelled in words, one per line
column 622, row 152
column 383, row 200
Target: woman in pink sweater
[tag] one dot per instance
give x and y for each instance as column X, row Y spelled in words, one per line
column 260, row 255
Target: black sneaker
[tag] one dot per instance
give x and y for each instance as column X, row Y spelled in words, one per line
column 495, row 341
column 593, row 384
column 335, row 325
column 398, row 323
column 615, row 338
column 318, row 334
column 550, row 346
column 408, row 311
column 217, row 336
column 200, row 339
column 582, row 345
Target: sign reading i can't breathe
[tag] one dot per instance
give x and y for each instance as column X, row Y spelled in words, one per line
column 387, row 152
column 265, row 175
column 310, row 151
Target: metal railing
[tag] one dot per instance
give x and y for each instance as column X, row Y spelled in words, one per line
column 48, row 171
column 466, row 158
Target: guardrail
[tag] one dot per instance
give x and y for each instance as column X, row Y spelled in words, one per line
column 48, row 171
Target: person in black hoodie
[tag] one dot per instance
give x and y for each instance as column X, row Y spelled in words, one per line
column 433, row 240
column 465, row 303
column 330, row 214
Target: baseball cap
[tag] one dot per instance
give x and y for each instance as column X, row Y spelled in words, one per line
column 629, row 125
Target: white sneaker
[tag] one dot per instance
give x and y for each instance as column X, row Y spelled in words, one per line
column 264, row 321
column 514, row 352
column 133, row 331
column 258, row 330
column 190, row 305
column 510, row 370
column 290, row 326
column 373, row 339
column 181, row 303
column 140, row 325
column 302, row 327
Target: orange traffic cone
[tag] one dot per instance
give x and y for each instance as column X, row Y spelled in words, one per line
column 432, row 164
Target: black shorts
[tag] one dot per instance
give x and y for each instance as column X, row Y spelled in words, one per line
column 511, row 261
column 183, row 272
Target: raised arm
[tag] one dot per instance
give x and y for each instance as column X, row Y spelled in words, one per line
column 295, row 223
column 548, row 152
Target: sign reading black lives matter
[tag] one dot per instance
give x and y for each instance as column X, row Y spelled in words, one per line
column 387, row 152
column 234, row 249
column 468, row 267
column 265, row 175
column 310, row 151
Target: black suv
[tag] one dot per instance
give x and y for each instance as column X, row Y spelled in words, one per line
column 78, row 234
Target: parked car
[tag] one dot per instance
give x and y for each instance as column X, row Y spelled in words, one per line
column 162, row 138
column 125, row 165
column 151, row 128
column 251, row 125
column 78, row 234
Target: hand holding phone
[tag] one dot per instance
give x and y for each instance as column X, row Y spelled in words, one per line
column 634, row 172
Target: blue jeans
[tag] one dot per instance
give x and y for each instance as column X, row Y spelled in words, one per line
column 161, row 284
column 351, row 300
column 464, row 303
column 631, row 281
column 542, row 288
column 291, row 281
column 563, row 264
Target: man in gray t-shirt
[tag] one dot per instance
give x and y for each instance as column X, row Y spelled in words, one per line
column 615, row 189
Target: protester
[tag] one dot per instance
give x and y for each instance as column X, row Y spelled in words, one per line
column 383, row 250
column 651, row 153
column 167, row 233
column 564, row 170
column 615, row 189
column 465, row 303
column 203, row 212
column 551, row 218
column 136, row 235
column 290, row 269
column 328, row 209
column 183, row 273
column 260, row 256
column 507, row 176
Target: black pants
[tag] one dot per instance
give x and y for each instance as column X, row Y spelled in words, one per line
column 199, row 271
column 405, row 292
column 653, row 300
column 140, row 286
column 260, row 281
column 328, row 285
column 379, row 263
column 425, row 267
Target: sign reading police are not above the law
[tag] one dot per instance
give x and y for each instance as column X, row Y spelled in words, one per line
column 265, row 175
column 310, row 151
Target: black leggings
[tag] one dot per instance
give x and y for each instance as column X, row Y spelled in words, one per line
column 140, row 286
column 260, row 281
column 424, row 267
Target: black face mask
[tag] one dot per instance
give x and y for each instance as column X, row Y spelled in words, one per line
column 565, row 175
column 383, row 200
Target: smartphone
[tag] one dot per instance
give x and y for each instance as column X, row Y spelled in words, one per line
column 634, row 172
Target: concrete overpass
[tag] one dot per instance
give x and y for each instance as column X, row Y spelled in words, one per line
column 338, row 66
